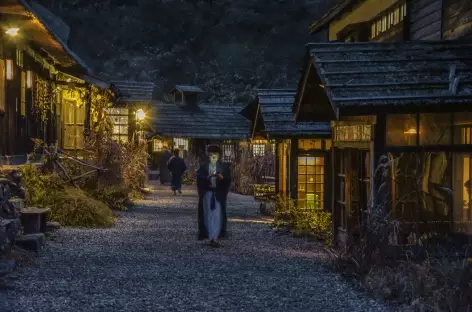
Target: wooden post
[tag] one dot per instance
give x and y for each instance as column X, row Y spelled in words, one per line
column 293, row 181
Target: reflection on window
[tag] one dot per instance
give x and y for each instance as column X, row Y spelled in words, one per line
column 310, row 182
column 258, row 147
column 352, row 133
column 307, row 144
column 435, row 129
column 401, row 130
column 119, row 119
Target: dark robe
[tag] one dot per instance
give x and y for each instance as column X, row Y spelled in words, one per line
column 222, row 189
column 164, row 173
column 177, row 168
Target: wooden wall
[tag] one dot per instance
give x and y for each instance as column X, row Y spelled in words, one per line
column 457, row 19
column 425, row 19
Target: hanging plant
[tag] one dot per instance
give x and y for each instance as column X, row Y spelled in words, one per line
column 42, row 98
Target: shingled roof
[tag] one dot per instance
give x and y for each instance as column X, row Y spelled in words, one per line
column 278, row 118
column 386, row 74
column 134, row 91
column 186, row 88
column 206, row 121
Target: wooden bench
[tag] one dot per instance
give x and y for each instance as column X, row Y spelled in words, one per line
column 34, row 220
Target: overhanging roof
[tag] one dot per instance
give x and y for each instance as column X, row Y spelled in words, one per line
column 207, row 121
column 134, row 91
column 278, row 118
column 332, row 13
column 43, row 30
column 386, row 74
column 187, row 89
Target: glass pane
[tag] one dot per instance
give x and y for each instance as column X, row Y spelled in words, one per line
column 463, row 128
column 301, row 169
column 305, row 144
column 116, row 130
column 319, row 179
column 310, row 161
column 310, row 188
column 310, row 178
column 311, row 169
column 401, row 130
column 328, row 144
column 435, row 129
column 301, row 179
column 319, row 161
column 302, row 160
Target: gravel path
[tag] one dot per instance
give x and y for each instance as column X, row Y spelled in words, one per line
column 151, row 261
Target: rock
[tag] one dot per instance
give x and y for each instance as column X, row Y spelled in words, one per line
column 52, row 226
column 18, row 203
column 7, row 266
column 33, row 242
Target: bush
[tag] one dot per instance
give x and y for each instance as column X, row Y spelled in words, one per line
column 303, row 221
column 190, row 178
column 69, row 205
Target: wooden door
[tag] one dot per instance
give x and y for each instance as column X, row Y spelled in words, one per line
column 73, row 125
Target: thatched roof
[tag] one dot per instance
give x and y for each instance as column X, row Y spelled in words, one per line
column 46, row 32
column 386, row 74
column 134, row 91
column 278, row 118
column 205, row 121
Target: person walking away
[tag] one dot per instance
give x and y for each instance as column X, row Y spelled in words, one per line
column 177, row 168
column 164, row 173
column 213, row 182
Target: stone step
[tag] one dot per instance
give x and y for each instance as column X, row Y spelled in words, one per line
column 52, row 226
column 32, row 242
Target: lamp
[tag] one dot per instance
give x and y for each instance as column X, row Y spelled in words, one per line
column 140, row 115
column 9, row 69
column 12, row 31
column 29, row 79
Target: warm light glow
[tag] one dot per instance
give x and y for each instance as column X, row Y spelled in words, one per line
column 411, row 131
column 140, row 115
column 12, row 31
column 29, row 79
column 9, row 69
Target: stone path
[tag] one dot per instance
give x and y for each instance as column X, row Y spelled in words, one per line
column 151, row 261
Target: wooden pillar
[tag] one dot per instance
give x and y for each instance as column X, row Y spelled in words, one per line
column 334, row 211
column 293, row 180
column 377, row 148
column 277, row 167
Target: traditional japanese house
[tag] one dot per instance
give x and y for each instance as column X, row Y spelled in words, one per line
column 302, row 158
column 192, row 126
column 403, row 107
column 132, row 112
column 44, row 87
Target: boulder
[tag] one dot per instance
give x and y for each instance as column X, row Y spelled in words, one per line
column 52, row 226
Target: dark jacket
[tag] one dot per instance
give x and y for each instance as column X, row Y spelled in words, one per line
column 222, row 189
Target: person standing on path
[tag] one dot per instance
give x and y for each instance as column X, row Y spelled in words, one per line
column 177, row 168
column 213, row 182
column 164, row 174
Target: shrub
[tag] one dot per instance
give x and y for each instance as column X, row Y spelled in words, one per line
column 303, row 221
column 190, row 178
column 69, row 205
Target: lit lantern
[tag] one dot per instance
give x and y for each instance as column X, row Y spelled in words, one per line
column 9, row 69
column 29, row 79
column 12, row 31
column 140, row 115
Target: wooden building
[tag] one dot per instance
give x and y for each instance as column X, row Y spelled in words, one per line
column 401, row 106
column 192, row 126
column 44, row 86
column 134, row 98
column 302, row 158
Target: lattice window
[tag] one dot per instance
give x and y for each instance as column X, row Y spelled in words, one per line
column 228, row 152
column 181, row 144
column 120, row 118
column 259, row 147
column 387, row 20
column 310, row 182
column 23, row 94
column 157, row 145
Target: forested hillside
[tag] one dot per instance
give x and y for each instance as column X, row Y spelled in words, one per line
column 227, row 47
